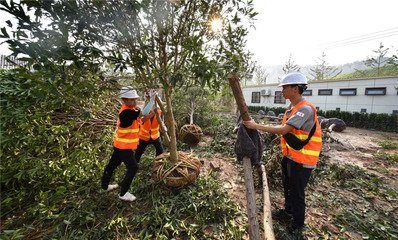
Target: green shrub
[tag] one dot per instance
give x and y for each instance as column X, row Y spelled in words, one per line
column 375, row 121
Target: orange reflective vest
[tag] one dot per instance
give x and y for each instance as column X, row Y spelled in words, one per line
column 126, row 138
column 309, row 154
column 150, row 129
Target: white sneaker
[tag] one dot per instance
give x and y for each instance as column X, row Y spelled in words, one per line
column 128, row 197
column 111, row 187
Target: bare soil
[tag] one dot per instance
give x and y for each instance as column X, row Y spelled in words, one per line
column 353, row 146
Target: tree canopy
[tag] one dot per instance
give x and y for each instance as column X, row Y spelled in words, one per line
column 160, row 42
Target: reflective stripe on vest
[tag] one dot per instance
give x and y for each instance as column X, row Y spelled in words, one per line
column 126, row 138
column 150, row 128
column 309, row 154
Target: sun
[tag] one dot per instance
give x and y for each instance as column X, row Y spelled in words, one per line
column 216, row 24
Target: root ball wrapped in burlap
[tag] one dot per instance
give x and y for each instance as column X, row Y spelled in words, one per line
column 191, row 134
column 177, row 174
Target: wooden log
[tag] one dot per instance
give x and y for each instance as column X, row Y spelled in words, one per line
column 237, row 91
column 254, row 228
column 268, row 227
column 254, row 231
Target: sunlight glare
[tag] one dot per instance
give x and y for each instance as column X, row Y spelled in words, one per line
column 216, row 24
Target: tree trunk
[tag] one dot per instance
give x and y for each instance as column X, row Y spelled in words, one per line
column 169, row 117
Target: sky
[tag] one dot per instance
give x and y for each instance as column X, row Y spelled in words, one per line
column 345, row 30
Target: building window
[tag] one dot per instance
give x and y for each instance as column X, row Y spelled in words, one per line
column 395, row 111
column 348, row 92
column 375, row 91
column 255, row 97
column 363, row 110
column 325, row 91
column 279, row 98
column 338, row 109
column 317, row 108
column 307, row 93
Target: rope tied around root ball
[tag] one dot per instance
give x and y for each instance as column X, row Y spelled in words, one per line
column 191, row 133
column 177, row 174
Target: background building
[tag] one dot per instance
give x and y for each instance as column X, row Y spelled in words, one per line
column 370, row 95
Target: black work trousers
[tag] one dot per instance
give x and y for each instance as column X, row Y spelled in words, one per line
column 143, row 144
column 295, row 178
column 127, row 157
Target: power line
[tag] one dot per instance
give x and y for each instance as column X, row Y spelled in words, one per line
column 343, row 44
column 361, row 36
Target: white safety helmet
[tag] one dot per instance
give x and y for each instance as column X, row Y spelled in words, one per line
column 128, row 92
column 293, row 78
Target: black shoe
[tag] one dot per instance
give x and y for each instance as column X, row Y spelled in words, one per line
column 293, row 233
column 281, row 214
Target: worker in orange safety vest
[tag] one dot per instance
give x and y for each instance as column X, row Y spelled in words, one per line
column 301, row 144
column 149, row 131
column 125, row 142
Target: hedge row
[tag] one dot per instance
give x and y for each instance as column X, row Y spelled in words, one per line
column 374, row 121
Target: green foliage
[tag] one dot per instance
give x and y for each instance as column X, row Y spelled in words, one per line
column 220, row 127
column 159, row 40
column 276, row 110
column 355, row 200
column 52, row 162
column 372, row 223
column 387, row 158
column 51, row 142
column 188, row 213
column 189, row 101
column 377, row 121
column 387, row 144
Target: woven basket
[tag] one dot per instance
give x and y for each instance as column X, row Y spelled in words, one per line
column 191, row 134
column 177, row 174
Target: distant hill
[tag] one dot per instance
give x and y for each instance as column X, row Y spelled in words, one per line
column 388, row 70
column 275, row 72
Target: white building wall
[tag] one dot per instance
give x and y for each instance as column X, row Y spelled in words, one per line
column 373, row 104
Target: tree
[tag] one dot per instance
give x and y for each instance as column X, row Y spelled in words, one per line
column 290, row 66
column 248, row 74
column 379, row 60
column 393, row 60
column 161, row 43
column 191, row 100
column 260, row 75
column 323, row 70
